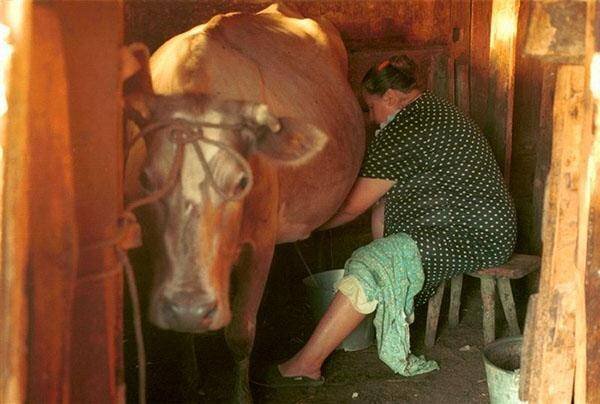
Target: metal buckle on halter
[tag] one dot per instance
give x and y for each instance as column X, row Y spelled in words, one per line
column 182, row 132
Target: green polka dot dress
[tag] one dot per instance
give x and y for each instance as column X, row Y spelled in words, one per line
column 449, row 194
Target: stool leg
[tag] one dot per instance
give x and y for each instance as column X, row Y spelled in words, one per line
column 433, row 315
column 508, row 304
column 489, row 318
column 455, row 289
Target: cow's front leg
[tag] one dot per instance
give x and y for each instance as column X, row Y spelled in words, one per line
column 249, row 279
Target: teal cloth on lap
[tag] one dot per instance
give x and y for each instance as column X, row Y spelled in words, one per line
column 389, row 270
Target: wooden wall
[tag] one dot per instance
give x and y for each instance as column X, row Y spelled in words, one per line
column 418, row 23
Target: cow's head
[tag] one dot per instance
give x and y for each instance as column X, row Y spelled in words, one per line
column 195, row 225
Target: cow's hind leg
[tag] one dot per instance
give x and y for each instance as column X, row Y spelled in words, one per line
column 249, row 278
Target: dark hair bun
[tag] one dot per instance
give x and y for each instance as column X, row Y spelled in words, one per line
column 405, row 65
column 398, row 72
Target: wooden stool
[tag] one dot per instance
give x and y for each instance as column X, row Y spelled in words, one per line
column 517, row 267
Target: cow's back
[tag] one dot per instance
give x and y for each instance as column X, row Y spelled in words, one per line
column 298, row 68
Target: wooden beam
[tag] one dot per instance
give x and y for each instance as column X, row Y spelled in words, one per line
column 481, row 16
column 13, row 206
column 553, row 334
column 557, row 31
column 53, row 240
column 499, row 116
column 543, row 151
column 95, row 34
column 588, row 260
column 458, row 63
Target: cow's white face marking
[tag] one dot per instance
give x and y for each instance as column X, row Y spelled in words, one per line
column 192, row 171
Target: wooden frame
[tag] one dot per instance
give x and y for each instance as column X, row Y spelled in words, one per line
column 13, row 209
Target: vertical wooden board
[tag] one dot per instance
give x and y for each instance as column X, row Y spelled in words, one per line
column 543, row 151
column 481, row 14
column 499, row 119
column 93, row 36
column 53, row 248
column 592, row 289
column 14, row 210
column 553, row 332
column 587, row 388
column 459, row 42
column 527, row 140
column 528, row 351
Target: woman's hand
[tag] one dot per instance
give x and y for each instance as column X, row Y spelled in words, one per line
column 364, row 194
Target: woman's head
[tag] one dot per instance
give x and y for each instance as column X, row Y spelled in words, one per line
column 389, row 86
column 398, row 73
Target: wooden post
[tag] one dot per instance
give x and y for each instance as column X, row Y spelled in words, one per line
column 92, row 44
column 53, row 230
column 553, row 336
column 503, row 42
column 14, row 215
column 481, row 16
column 557, row 31
column 460, row 36
column 543, row 149
column 587, row 389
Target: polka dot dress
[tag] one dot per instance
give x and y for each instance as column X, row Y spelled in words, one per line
column 449, row 194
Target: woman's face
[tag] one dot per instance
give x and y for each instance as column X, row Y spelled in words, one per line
column 378, row 108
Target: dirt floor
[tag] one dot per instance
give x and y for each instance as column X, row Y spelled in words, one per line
column 351, row 377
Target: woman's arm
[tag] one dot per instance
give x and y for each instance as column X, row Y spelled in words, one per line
column 364, row 193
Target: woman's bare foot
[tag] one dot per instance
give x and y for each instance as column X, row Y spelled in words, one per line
column 290, row 369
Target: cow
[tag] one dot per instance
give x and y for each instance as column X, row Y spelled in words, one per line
column 254, row 135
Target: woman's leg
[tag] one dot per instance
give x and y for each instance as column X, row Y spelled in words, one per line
column 339, row 321
column 377, row 219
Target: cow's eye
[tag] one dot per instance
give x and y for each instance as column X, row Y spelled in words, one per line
column 241, row 184
column 145, row 182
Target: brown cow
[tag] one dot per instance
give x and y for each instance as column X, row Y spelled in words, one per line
column 267, row 168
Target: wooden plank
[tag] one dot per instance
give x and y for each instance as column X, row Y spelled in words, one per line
column 528, row 349
column 498, row 126
column 53, row 243
column 481, row 15
column 488, row 298
column 459, row 45
column 556, row 31
column 588, row 260
column 14, row 208
column 544, row 147
column 433, row 315
column 592, row 283
column 528, row 84
column 553, row 331
column 95, row 34
column 461, row 85
column 455, row 292
column 508, row 305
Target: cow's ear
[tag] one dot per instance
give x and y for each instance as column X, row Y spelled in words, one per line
column 295, row 143
column 137, row 83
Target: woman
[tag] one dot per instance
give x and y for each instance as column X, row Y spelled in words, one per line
column 431, row 174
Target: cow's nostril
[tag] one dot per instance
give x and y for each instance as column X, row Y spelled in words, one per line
column 205, row 311
column 211, row 311
column 186, row 311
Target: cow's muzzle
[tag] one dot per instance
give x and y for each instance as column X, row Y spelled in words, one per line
column 184, row 312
